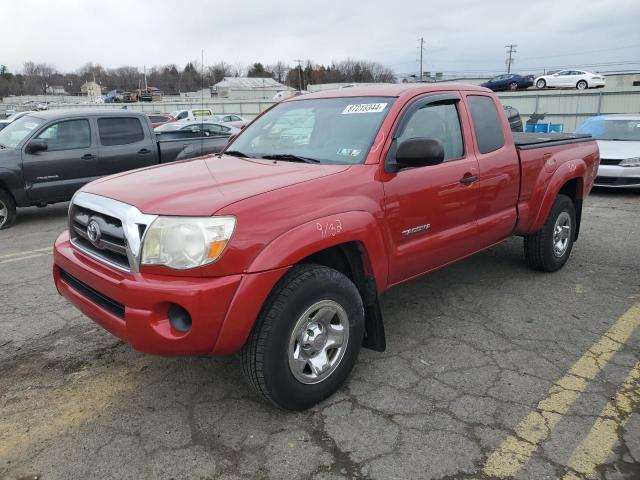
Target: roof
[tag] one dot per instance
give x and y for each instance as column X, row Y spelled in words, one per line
column 249, row 83
column 81, row 112
column 390, row 90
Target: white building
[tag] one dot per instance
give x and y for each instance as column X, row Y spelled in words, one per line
column 91, row 89
column 245, row 88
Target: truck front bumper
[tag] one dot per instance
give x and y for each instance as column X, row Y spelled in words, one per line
column 135, row 306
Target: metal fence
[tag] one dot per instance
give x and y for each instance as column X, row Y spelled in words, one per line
column 571, row 108
column 568, row 107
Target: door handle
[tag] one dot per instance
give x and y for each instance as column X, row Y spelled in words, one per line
column 144, row 151
column 468, row 178
column 88, row 156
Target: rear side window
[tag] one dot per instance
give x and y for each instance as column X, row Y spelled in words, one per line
column 486, row 123
column 119, row 131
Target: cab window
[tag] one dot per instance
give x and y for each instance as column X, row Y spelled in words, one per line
column 67, row 135
column 438, row 121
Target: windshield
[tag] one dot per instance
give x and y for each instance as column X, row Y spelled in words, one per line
column 605, row 129
column 330, row 130
column 15, row 132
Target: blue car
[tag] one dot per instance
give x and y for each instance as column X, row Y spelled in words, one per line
column 509, row 81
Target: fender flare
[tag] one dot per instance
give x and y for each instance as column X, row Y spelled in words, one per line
column 11, row 182
column 574, row 169
column 324, row 232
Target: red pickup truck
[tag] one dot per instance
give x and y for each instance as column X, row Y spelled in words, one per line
column 280, row 247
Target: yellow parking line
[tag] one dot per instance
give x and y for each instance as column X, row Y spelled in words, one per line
column 597, row 445
column 516, row 449
column 28, row 252
column 9, row 260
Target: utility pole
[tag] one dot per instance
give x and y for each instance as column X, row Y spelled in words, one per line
column 421, row 40
column 511, row 49
column 300, row 73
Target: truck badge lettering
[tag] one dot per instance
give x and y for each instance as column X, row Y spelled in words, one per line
column 419, row 228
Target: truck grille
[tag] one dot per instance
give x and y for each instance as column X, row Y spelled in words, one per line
column 609, row 161
column 111, row 246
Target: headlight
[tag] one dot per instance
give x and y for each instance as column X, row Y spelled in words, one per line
column 630, row 162
column 186, row 242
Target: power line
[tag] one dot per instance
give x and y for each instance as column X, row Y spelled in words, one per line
column 511, row 50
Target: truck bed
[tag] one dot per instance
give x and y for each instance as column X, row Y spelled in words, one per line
column 527, row 141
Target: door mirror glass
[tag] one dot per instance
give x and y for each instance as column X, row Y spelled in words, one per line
column 420, row 152
column 37, row 146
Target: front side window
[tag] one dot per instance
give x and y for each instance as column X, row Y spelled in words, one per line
column 438, row 121
column 486, row 123
column 329, row 130
column 119, row 131
column 67, row 135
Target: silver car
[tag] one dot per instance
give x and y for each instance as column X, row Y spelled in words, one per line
column 618, row 137
column 230, row 119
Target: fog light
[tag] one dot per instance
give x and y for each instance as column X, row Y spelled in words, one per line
column 179, row 318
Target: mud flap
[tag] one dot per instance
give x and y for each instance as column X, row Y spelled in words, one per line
column 374, row 336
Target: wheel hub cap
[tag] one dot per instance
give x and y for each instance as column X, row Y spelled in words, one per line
column 4, row 213
column 318, row 341
column 561, row 234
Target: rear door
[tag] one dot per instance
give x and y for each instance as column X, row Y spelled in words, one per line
column 499, row 170
column 124, row 144
column 70, row 161
column 431, row 210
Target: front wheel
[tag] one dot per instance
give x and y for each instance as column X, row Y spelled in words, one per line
column 7, row 210
column 306, row 339
column 541, row 84
column 549, row 249
column 581, row 85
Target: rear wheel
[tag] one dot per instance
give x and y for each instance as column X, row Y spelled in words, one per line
column 306, row 339
column 7, row 210
column 513, row 86
column 541, row 84
column 549, row 249
column 581, row 85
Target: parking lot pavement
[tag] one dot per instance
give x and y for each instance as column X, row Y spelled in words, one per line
column 491, row 371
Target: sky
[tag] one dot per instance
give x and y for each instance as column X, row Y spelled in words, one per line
column 461, row 36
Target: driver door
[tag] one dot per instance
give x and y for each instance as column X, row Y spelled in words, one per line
column 70, row 161
column 431, row 210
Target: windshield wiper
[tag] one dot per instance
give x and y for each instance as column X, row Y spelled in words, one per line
column 235, row 153
column 288, row 157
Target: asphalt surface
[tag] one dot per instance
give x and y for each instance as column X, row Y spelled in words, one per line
column 491, row 371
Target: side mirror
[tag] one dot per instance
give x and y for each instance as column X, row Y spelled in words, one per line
column 419, row 152
column 37, row 146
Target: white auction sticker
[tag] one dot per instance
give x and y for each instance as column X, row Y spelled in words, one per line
column 364, row 108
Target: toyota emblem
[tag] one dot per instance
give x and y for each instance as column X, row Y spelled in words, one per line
column 93, row 232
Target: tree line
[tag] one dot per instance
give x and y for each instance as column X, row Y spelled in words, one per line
column 41, row 78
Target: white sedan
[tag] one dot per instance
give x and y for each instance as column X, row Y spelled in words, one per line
column 571, row 79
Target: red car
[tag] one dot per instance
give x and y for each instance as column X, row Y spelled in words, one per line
column 280, row 247
column 158, row 119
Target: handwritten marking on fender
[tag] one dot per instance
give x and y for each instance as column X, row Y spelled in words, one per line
column 330, row 229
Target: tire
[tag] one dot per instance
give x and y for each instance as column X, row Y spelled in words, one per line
column 513, row 86
column 582, row 85
column 277, row 358
column 7, row 210
column 549, row 249
column 540, row 84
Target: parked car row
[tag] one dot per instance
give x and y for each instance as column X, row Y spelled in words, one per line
column 579, row 79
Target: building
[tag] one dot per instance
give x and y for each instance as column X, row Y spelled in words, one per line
column 245, row 88
column 91, row 89
column 56, row 90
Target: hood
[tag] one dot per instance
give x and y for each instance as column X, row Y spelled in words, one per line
column 202, row 186
column 618, row 150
